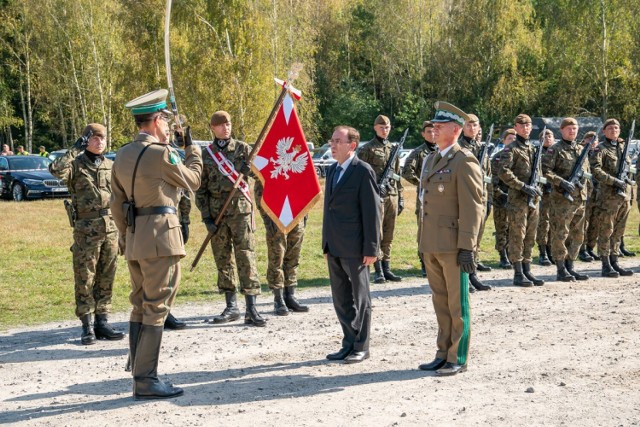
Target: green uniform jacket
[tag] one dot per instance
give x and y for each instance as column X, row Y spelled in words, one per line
column 514, row 165
column 604, row 162
column 558, row 162
column 377, row 154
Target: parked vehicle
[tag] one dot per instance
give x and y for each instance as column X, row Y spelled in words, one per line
column 402, row 155
column 28, row 177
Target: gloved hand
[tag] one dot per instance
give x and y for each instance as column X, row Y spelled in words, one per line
column 465, row 260
column 184, row 140
column 580, row 184
column 82, row 141
column 211, row 225
column 400, row 205
column 245, row 169
column 185, row 231
column 531, row 190
column 567, row 186
column 384, row 191
column 618, row 183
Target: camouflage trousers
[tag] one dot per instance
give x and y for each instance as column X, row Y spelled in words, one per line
column 612, row 220
column 567, row 227
column 95, row 256
column 590, row 224
column 501, row 224
column 283, row 253
column 388, row 214
column 542, row 234
column 233, row 246
column 523, row 223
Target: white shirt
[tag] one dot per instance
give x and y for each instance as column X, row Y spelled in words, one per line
column 344, row 166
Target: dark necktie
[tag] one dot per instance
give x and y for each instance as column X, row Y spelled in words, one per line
column 437, row 159
column 336, row 176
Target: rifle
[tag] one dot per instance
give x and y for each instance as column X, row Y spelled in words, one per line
column 534, row 179
column 622, row 169
column 577, row 173
column 387, row 173
column 486, row 150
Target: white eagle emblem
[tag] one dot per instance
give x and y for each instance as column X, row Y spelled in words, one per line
column 287, row 160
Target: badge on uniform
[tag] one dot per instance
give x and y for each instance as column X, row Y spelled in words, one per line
column 174, row 158
column 441, row 188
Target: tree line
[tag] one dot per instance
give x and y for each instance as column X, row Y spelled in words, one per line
column 70, row 62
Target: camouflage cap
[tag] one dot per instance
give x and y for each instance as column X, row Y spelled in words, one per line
column 149, row 103
column 610, row 122
column 95, row 129
column 472, row 118
column 446, row 112
column 427, row 124
column 522, row 119
column 567, row 122
column 382, row 120
column 220, row 117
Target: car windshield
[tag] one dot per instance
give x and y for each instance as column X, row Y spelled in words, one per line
column 28, row 163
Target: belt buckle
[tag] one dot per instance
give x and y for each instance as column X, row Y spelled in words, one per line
column 103, row 212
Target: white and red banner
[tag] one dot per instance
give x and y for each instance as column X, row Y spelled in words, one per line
column 284, row 166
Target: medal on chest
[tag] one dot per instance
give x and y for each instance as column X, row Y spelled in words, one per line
column 441, row 188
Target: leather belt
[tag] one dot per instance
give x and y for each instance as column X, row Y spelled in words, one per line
column 156, row 210
column 96, row 214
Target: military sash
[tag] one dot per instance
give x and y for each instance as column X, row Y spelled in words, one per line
column 227, row 169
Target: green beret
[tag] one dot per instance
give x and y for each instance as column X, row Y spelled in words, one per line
column 523, row 119
column 472, row 118
column 95, row 129
column 567, row 122
column 427, row 124
column 610, row 122
column 220, row 117
column 382, row 120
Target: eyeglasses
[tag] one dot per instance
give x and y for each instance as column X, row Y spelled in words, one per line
column 337, row 141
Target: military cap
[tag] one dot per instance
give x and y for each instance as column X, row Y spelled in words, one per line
column 589, row 134
column 567, row 122
column 382, row 120
column 610, row 122
column 427, row 124
column 509, row 131
column 472, row 118
column 149, row 103
column 543, row 133
column 220, row 117
column 95, row 129
column 523, row 119
column 446, row 112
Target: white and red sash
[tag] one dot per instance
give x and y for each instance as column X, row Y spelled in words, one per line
column 227, row 169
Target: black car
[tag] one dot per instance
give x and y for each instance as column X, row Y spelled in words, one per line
column 28, row 177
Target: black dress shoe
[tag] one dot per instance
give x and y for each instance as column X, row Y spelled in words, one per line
column 451, row 369
column 174, row 324
column 482, row 267
column 341, row 354
column 436, row 364
column 357, row 356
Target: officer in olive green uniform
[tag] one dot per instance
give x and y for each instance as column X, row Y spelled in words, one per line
column 500, row 199
column 586, row 253
column 147, row 182
column 377, row 153
column 613, row 202
column 95, row 247
column 567, row 200
column 542, row 234
column 516, row 163
column 412, row 168
column 283, row 255
column 224, row 160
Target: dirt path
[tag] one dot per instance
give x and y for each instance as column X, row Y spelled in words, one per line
column 561, row 354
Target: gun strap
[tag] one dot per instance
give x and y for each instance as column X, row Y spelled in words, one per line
column 135, row 169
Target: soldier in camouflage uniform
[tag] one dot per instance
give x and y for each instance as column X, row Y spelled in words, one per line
column 567, row 200
column 413, row 168
column 283, row 255
column 515, row 166
column 542, row 234
column 613, row 202
column 377, row 153
column 500, row 199
column 235, row 233
column 590, row 227
column 95, row 237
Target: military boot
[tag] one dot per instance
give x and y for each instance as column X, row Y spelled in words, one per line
column 504, row 260
column 423, row 269
column 388, row 275
column 542, row 258
column 88, row 337
column 279, row 305
column 231, row 312
column 481, row 267
column 592, row 254
column 553, row 261
column 583, row 255
column 473, row 279
column 104, row 331
column 378, row 277
column 146, row 384
column 292, row 302
column 526, row 270
column 613, row 259
column 607, row 269
column 568, row 263
column 563, row 275
column 134, row 334
column 624, row 251
column 519, row 278
column 172, row 323
column 252, row 317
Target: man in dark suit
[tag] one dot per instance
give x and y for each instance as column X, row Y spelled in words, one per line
column 350, row 241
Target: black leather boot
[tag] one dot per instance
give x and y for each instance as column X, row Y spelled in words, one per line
column 88, row 337
column 292, row 302
column 553, row 261
column 568, row 263
column 252, row 317
column 563, row 275
column 542, row 258
column 526, row 270
column 624, row 251
column 172, row 323
column 607, row 269
column 423, row 269
column 231, row 312
column 134, row 334
column 583, row 255
column 146, row 384
column 473, row 279
column 278, row 303
column 104, row 331
column 592, row 254
column 481, row 267
column 613, row 259
column 378, row 277
column 505, row 264
column 519, row 278
column 388, row 275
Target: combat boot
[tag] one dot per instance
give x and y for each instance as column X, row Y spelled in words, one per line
column 607, row 269
column 388, row 275
column 172, row 323
column 104, row 331
column 563, row 275
column 481, row 267
column 134, row 334
column 519, row 278
column 146, row 384
column 378, row 277
column 252, row 317
column 553, row 261
column 292, row 302
column 624, row 251
column 88, row 337
column 231, row 312
column 423, row 269
column 526, row 270
column 583, row 255
column 542, row 258
column 504, row 260
column 279, row 305
column 568, row 263
column 473, row 279
column 613, row 259
column 592, row 254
